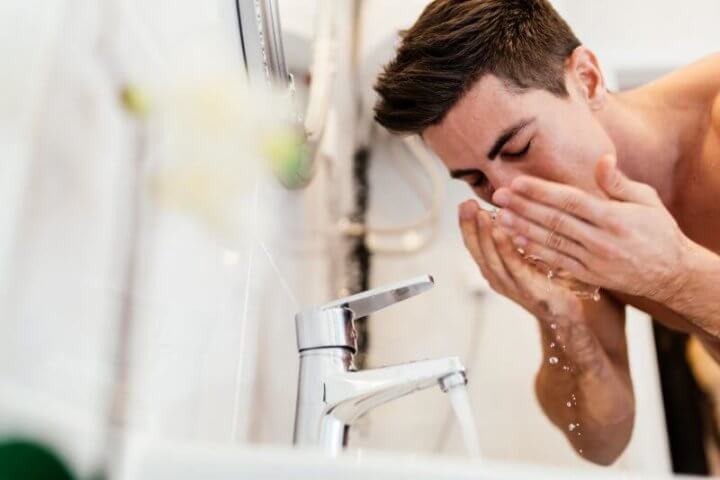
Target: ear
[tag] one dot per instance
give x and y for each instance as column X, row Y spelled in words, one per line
column 584, row 74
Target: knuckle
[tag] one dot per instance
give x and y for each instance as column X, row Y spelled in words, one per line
column 554, row 241
column 649, row 191
column 615, row 224
column 571, row 203
column 617, row 184
column 555, row 221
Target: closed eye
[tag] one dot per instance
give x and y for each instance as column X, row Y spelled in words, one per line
column 479, row 181
column 519, row 154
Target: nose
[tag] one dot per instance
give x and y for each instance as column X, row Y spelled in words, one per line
column 498, row 177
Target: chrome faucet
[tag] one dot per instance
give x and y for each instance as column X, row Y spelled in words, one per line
column 332, row 394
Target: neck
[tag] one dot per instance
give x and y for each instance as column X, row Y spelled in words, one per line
column 647, row 140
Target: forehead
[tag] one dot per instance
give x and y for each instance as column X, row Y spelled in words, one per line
column 472, row 125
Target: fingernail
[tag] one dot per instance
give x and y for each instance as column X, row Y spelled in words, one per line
column 465, row 210
column 520, row 241
column 506, row 218
column 502, row 197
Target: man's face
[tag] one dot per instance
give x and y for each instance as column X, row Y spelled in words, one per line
column 493, row 135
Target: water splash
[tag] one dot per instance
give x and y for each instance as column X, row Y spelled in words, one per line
column 461, row 405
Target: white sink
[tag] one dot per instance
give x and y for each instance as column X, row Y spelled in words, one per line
column 148, row 459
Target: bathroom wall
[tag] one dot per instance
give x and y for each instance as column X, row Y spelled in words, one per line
column 645, row 33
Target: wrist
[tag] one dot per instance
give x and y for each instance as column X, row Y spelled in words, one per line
column 674, row 285
column 693, row 271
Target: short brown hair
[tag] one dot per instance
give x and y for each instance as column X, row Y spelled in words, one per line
column 455, row 42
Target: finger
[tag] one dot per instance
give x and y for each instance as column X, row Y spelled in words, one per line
column 547, row 225
column 556, row 260
column 562, row 197
column 471, row 238
column 516, row 266
column 489, row 251
column 524, row 229
column 468, row 227
column 620, row 187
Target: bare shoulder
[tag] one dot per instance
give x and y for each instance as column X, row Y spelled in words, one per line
column 698, row 82
column 715, row 113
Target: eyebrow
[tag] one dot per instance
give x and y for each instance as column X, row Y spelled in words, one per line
column 463, row 173
column 506, row 136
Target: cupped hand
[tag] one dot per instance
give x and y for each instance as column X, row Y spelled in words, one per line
column 628, row 242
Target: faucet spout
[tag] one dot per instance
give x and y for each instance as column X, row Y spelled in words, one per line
column 349, row 395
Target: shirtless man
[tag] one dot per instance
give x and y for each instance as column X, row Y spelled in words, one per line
column 621, row 190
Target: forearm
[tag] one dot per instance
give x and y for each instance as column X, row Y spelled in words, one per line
column 587, row 392
column 695, row 293
column 595, row 414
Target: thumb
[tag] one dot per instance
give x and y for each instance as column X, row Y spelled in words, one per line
column 618, row 186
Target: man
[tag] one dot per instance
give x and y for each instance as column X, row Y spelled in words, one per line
column 620, row 190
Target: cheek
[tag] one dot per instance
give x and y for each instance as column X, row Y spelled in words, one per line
column 570, row 156
column 551, row 160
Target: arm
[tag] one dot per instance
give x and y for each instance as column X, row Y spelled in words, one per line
column 696, row 293
column 592, row 403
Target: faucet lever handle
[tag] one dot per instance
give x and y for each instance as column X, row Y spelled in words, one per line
column 331, row 325
column 371, row 301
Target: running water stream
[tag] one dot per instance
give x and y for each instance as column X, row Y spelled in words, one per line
column 460, row 401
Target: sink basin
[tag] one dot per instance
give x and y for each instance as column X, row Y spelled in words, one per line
column 147, row 459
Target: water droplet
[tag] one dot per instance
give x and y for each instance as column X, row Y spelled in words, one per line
column 550, row 275
column 568, row 404
column 553, row 326
column 553, row 360
column 596, row 295
column 580, row 451
column 552, row 344
column 571, row 427
column 566, row 368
